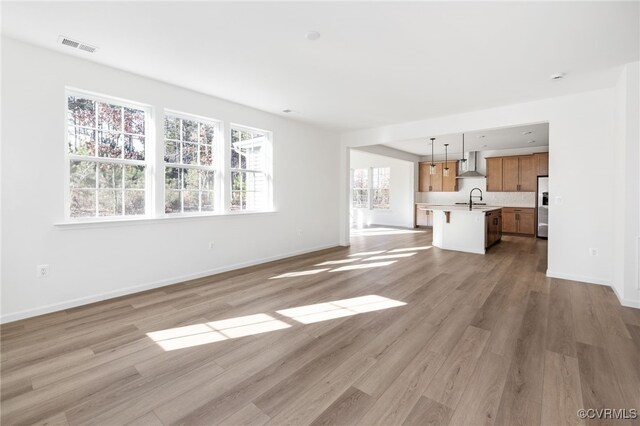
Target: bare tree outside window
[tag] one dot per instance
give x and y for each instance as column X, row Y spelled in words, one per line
column 106, row 150
column 189, row 164
column 381, row 177
column 360, row 189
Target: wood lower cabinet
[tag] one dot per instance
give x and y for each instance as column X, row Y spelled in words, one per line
column 424, row 218
column 437, row 182
column 509, row 224
column 527, row 222
column 516, row 220
column 517, row 173
column 493, row 227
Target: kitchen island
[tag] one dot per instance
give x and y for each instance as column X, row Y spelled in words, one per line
column 458, row 228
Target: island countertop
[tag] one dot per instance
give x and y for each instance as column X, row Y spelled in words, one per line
column 457, row 208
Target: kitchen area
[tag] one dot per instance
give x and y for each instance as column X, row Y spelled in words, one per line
column 487, row 184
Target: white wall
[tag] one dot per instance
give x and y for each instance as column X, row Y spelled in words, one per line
column 401, row 190
column 626, row 214
column 88, row 263
column 581, row 167
column 503, row 199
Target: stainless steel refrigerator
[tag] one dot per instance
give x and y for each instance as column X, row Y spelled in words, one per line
column 542, row 208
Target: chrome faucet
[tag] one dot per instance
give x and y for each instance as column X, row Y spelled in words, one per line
column 471, row 197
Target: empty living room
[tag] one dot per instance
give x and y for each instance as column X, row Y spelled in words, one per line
column 320, row 213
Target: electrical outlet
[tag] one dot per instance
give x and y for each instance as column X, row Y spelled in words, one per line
column 212, row 244
column 593, row 252
column 42, row 271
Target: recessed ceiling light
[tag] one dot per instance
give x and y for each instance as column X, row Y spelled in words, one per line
column 312, row 35
column 286, row 111
column 532, row 141
column 527, row 133
column 557, row 76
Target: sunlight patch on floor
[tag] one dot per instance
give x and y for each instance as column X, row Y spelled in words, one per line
column 216, row 331
column 340, row 308
column 363, row 266
column 367, row 253
column 249, row 325
column 399, row 250
column 366, row 256
column 300, row 273
column 369, row 232
column 337, row 262
column 390, row 256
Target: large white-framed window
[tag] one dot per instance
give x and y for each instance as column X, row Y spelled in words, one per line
column 370, row 188
column 380, row 187
column 191, row 145
column 360, row 188
column 106, row 149
column 121, row 165
column 250, row 169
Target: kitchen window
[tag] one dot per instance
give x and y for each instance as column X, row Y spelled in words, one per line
column 106, row 157
column 380, row 187
column 189, row 163
column 250, row 169
column 360, row 189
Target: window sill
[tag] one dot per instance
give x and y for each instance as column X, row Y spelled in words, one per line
column 155, row 220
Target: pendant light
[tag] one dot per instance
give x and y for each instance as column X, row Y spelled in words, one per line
column 463, row 159
column 445, row 171
column 432, row 169
column 463, row 162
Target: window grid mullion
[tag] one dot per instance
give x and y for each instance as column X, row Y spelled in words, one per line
column 122, row 184
column 181, row 190
column 198, row 144
column 96, row 192
column 122, row 134
column 108, row 160
column 97, row 141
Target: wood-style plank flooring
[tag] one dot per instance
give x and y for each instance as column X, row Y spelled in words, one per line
column 388, row 331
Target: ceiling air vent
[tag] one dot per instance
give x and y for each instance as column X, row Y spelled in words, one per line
column 87, row 48
column 76, row 44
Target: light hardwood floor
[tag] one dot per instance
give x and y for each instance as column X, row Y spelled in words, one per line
column 440, row 338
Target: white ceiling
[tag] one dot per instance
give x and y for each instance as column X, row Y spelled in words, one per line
column 491, row 139
column 376, row 63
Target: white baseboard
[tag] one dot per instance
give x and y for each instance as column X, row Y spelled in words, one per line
column 591, row 280
column 463, row 249
column 626, row 302
column 54, row 307
column 581, row 278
